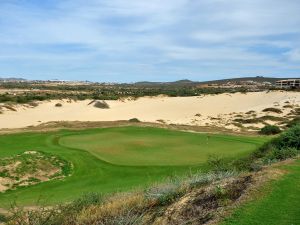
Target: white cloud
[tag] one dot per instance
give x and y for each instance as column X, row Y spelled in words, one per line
column 161, row 35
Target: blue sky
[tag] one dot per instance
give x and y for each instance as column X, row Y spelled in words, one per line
column 157, row 40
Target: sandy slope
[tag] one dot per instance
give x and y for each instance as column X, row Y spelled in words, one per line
column 212, row 109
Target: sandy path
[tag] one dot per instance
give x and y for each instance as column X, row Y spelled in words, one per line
column 178, row 110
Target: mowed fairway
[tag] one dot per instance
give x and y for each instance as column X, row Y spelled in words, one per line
column 107, row 160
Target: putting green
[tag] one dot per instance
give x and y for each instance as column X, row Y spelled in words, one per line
column 107, row 160
column 152, row 146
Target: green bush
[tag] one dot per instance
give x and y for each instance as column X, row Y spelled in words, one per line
column 289, row 139
column 218, row 164
column 294, row 122
column 134, row 120
column 270, row 130
column 281, row 154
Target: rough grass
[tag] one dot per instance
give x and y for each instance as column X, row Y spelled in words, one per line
column 97, row 170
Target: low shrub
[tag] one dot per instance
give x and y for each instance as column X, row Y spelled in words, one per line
column 294, row 122
column 134, row 120
column 289, row 139
column 275, row 110
column 101, row 105
column 33, row 104
column 218, row 164
column 58, row 105
column 270, row 130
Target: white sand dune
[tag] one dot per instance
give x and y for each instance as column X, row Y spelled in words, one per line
column 177, row 110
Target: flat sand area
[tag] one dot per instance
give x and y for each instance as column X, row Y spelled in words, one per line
column 199, row 110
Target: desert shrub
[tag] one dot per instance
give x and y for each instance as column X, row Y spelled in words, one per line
column 270, row 130
column 296, row 111
column 58, row 105
column 294, row 122
column 101, row 105
column 33, row 104
column 134, row 120
column 275, row 110
column 272, row 118
column 250, row 112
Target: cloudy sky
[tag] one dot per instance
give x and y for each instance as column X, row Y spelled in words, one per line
column 157, row 40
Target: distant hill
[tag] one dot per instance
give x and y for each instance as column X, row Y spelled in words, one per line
column 12, row 79
column 259, row 79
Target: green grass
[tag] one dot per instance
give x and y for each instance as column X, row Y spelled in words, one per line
column 108, row 160
column 278, row 203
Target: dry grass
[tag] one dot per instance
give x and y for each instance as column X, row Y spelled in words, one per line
column 121, row 208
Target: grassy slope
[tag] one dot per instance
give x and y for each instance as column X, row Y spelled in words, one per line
column 278, row 206
column 91, row 174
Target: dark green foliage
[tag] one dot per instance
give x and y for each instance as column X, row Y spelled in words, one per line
column 270, row 130
column 294, row 122
column 282, row 154
column 218, row 164
column 289, row 139
column 3, row 218
column 134, row 120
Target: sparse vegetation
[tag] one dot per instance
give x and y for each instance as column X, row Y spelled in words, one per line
column 31, row 168
column 58, row 105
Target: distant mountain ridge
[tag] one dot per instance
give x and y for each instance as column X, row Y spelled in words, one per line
column 187, row 82
column 183, row 82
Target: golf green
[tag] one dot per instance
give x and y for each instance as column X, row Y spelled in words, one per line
column 115, row 159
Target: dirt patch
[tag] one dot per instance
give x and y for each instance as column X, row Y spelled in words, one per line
column 31, row 168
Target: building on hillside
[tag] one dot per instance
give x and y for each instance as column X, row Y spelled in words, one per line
column 289, row 83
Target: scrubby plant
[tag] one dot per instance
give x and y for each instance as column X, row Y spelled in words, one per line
column 101, row 105
column 285, row 153
column 134, row 120
column 275, row 110
column 294, row 122
column 58, row 105
column 217, row 164
column 289, row 139
column 270, row 130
